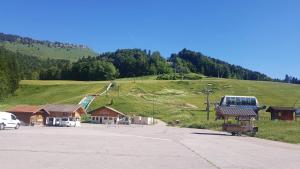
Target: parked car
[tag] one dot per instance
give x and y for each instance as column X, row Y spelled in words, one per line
column 8, row 120
column 68, row 122
column 53, row 121
column 125, row 120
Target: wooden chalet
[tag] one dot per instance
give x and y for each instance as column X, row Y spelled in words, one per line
column 105, row 114
column 65, row 110
column 30, row 115
column 281, row 113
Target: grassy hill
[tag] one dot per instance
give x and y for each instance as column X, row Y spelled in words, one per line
column 43, row 51
column 167, row 100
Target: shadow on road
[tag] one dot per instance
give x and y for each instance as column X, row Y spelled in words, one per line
column 211, row 134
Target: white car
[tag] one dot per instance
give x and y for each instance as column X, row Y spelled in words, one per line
column 8, row 120
column 67, row 121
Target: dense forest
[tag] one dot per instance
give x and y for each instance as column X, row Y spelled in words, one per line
column 9, row 76
column 132, row 63
column 190, row 61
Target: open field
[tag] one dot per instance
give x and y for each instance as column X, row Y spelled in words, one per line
column 102, row 146
column 167, row 100
column 43, row 51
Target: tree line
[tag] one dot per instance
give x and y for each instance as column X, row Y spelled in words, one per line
column 30, row 41
column 137, row 62
column 291, row 79
column 132, row 63
column 9, row 76
column 196, row 62
column 121, row 63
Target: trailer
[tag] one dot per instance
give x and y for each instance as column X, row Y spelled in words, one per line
column 238, row 121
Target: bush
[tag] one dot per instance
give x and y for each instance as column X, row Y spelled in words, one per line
column 177, row 76
column 86, row 118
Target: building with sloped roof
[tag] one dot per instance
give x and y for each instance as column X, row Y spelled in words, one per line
column 281, row 113
column 226, row 112
column 106, row 115
column 30, row 115
column 65, row 110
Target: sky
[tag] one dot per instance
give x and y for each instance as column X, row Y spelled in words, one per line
column 261, row 35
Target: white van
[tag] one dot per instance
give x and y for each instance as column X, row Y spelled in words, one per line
column 68, row 122
column 8, row 120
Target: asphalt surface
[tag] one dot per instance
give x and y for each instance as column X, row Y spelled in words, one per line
column 133, row 147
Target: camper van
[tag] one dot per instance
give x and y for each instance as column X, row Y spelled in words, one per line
column 240, row 101
column 8, row 120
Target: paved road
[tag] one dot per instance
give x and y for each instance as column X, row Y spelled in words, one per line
column 148, row 147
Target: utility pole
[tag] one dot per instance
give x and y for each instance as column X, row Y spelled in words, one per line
column 207, row 91
column 153, row 111
column 295, row 104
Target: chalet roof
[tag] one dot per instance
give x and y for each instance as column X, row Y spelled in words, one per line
column 64, row 108
column 280, row 109
column 112, row 109
column 235, row 111
column 26, row 109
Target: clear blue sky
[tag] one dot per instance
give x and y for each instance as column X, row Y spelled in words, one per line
column 262, row 35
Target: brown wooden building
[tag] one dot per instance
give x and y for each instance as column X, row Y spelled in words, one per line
column 30, row 115
column 281, row 113
column 65, row 110
column 105, row 115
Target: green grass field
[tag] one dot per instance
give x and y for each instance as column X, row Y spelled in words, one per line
column 44, row 52
column 168, row 100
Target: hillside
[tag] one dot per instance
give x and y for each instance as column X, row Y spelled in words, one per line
column 44, row 49
column 167, row 100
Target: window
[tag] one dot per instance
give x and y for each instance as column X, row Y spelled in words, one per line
column 64, row 119
column 97, row 118
column 244, row 101
column 248, row 101
column 93, row 118
column 222, row 101
column 232, row 101
column 13, row 117
column 238, row 101
column 253, row 102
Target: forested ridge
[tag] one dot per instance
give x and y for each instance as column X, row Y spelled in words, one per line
column 119, row 64
column 30, row 41
column 133, row 63
column 44, row 49
column 198, row 63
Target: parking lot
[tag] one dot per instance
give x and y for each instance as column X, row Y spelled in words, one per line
column 134, row 146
